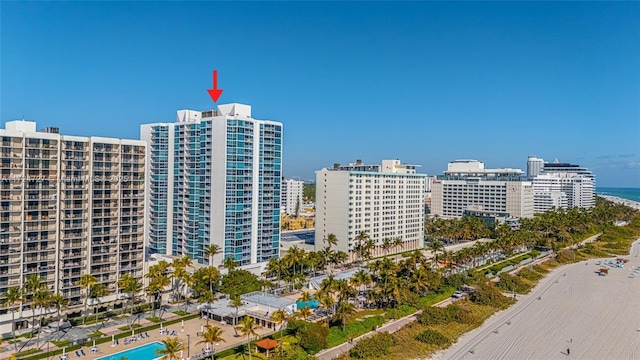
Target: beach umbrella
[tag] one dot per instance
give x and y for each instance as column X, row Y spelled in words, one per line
column 94, row 342
column 63, row 350
column 132, row 332
column 182, row 326
column 160, row 326
column 201, row 328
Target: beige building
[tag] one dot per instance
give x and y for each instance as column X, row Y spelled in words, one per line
column 467, row 185
column 69, row 206
column 385, row 201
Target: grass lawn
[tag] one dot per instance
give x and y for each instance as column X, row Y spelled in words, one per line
column 128, row 328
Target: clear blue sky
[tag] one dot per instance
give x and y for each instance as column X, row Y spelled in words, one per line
column 423, row 82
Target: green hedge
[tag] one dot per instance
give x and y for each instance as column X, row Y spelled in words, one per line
column 373, row 347
column 433, row 337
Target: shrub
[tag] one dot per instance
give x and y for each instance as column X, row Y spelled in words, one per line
column 373, row 347
column 530, row 275
column 433, row 337
column 513, row 283
column 489, row 294
column 435, row 316
column 313, row 336
column 401, row 311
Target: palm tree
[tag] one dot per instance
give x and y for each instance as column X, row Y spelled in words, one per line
column 276, row 267
column 230, row 263
column 31, row 286
column 279, row 317
column 304, row 312
column 172, row 349
column 14, row 296
column 41, row 299
column 331, row 239
column 86, row 282
column 344, row 312
column 130, row 285
column 398, row 243
column 212, row 250
column 305, row 297
column 59, row 302
column 436, row 246
column 236, row 302
column 158, row 282
column 248, row 328
column 387, row 244
column 98, row 291
column 211, row 274
column 212, row 335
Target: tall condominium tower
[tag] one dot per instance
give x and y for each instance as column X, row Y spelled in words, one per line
column 292, row 196
column 384, row 201
column 468, row 186
column 534, row 166
column 214, row 178
column 69, row 206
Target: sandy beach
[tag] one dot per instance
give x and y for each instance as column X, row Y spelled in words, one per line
column 619, row 200
column 596, row 317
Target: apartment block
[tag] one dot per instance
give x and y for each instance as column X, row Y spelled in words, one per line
column 563, row 185
column 384, row 200
column 214, row 178
column 292, row 190
column 467, row 185
column 69, row 206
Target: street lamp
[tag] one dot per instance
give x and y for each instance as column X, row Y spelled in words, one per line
column 188, row 346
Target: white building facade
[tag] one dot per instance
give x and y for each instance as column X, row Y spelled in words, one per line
column 215, row 178
column 575, row 183
column 385, row 201
column 534, row 166
column 292, row 191
column 467, row 185
column 69, row 206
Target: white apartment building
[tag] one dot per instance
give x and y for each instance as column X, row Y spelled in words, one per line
column 534, row 166
column 69, row 206
column 292, row 190
column 563, row 185
column 385, row 201
column 214, row 178
column 467, row 185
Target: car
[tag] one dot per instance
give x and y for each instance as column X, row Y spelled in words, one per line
column 457, row 295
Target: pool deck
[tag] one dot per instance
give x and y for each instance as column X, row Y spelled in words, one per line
column 191, row 327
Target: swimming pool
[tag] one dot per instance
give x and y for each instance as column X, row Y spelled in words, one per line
column 313, row 303
column 143, row 352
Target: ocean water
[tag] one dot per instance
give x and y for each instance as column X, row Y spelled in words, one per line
column 625, row 193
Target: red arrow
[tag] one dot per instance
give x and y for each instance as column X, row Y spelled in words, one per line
column 215, row 92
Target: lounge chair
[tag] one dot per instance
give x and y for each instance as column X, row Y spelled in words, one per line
column 82, row 352
column 146, row 334
column 78, row 354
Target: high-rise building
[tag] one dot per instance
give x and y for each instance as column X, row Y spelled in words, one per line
column 385, row 201
column 215, row 178
column 534, row 166
column 575, row 182
column 467, row 185
column 292, row 190
column 69, row 206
